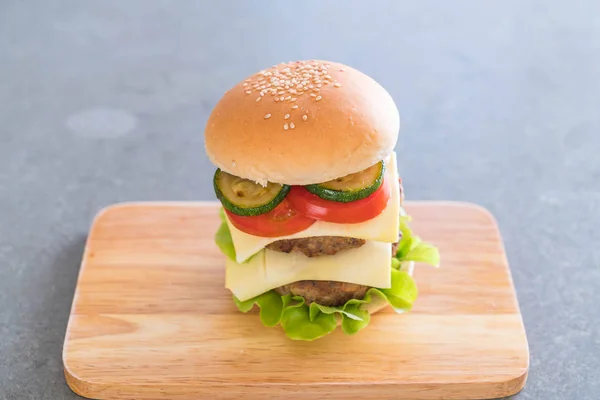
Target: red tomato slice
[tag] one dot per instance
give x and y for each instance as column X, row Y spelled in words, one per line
column 312, row 206
column 281, row 221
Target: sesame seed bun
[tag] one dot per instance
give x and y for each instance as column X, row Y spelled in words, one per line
column 302, row 122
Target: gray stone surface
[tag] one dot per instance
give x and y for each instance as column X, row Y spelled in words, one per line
column 102, row 102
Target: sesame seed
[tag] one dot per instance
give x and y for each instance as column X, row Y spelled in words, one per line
column 276, row 99
column 337, row 84
column 292, row 125
column 288, row 97
column 293, row 99
column 304, row 117
column 258, row 98
column 267, row 116
column 295, row 106
column 248, row 91
column 311, row 86
column 313, row 94
column 245, row 84
column 285, row 127
column 328, row 76
column 318, row 98
column 262, row 93
column 281, row 92
column 316, row 89
column 287, row 116
column 281, row 98
column 247, row 80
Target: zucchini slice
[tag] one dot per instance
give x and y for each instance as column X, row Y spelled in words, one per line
column 351, row 187
column 245, row 197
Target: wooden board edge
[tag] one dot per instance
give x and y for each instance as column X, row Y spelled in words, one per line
column 517, row 383
column 452, row 391
column 78, row 386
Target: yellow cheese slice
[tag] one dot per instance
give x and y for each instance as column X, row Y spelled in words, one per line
column 366, row 265
column 383, row 228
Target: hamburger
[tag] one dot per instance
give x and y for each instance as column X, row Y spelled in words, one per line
column 313, row 227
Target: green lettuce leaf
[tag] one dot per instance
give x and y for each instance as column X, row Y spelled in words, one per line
column 270, row 304
column 350, row 326
column 299, row 323
column 309, row 322
column 412, row 248
column 223, row 238
column 424, row 252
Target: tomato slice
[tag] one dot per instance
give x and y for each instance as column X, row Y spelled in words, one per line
column 312, row 206
column 283, row 220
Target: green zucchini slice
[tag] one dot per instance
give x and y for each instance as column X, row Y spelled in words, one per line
column 245, row 197
column 351, row 187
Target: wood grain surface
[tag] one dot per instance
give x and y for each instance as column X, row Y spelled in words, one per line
column 151, row 319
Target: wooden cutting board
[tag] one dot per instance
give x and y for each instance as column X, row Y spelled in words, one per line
column 151, row 319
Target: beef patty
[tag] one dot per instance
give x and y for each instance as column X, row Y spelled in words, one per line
column 326, row 293
column 316, row 245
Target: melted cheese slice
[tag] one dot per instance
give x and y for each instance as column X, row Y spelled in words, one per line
column 383, row 228
column 366, row 265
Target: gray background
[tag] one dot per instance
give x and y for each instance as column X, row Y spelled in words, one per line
column 102, row 102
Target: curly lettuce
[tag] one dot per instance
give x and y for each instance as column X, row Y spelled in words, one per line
column 223, row 238
column 302, row 321
column 412, row 248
